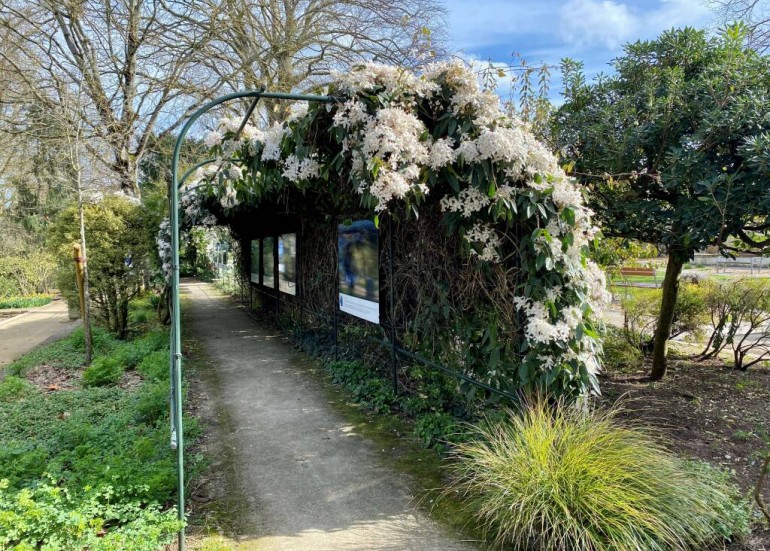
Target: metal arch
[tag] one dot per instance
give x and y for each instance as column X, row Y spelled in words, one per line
column 176, row 336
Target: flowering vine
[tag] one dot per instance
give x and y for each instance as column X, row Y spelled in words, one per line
column 398, row 141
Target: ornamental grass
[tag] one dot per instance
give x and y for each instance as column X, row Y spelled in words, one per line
column 570, row 478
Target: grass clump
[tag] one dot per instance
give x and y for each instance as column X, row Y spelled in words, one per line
column 102, row 372
column 566, row 478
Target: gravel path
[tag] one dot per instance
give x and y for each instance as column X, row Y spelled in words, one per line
column 309, row 482
column 20, row 334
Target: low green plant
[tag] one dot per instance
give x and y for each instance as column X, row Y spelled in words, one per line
column 102, row 372
column 29, row 301
column 13, row 388
column 436, row 429
column 155, row 366
column 59, row 519
column 368, row 388
column 152, row 402
column 618, row 351
column 562, row 478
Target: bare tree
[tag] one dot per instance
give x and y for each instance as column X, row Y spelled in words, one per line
column 754, row 13
column 294, row 45
column 137, row 62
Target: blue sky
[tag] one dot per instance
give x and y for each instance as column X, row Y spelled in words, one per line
column 592, row 31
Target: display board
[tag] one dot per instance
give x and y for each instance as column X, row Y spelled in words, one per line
column 287, row 263
column 254, row 261
column 268, row 262
column 359, row 279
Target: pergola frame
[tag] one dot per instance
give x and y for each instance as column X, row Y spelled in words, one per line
column 175, row 364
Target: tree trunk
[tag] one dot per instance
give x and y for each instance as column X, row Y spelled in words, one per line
column 666, row 317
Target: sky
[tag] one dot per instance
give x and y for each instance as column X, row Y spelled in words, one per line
column 592, row 31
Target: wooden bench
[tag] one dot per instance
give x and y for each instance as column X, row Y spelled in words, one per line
column 637, row 272
column 649, row 272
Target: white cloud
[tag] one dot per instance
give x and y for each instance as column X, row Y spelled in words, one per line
column 586, row 24
column 605, row 23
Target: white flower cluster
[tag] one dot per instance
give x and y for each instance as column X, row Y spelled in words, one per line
column 296, row 169
column 485, row 236
column 391, row 155
column 468, row 202
column 389, row 145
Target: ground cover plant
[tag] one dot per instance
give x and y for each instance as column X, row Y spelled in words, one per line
column 28, row 301
column 87, row 465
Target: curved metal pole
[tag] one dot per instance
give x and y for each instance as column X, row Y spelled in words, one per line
column 176, row 333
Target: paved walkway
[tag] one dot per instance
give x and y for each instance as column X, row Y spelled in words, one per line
column 308, row 481
column 22, row 333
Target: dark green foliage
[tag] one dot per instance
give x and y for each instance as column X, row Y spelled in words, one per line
column 88, row 468
column 155, row 366
column 14, row 388
column 152, row 402
column 133, row 353
column 436, row 429
column 371, row 390
column 116, row 267
column 674, row 148
column 103, row 372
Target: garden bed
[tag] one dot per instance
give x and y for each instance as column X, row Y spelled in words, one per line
column 705, row 411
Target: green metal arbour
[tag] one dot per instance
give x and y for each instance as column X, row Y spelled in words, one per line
column 175, row 364
column 177, row 429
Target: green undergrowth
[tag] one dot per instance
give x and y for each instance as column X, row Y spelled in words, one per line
column 29, row 301
column 91, row 467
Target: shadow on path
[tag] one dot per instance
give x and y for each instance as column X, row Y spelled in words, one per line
column 309, row 482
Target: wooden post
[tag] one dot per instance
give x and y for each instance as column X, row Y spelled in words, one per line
column 79, row 264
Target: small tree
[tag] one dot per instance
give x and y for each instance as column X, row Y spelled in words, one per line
column 118, row 250
column 674, row 149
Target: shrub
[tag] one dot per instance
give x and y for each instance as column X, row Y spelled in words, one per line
column 569, row 478
column 104, row 371
column 642, row 307
column 152, row 402
column 618, row 351
column 27, row 274
column 740, row 318
column 155, row 366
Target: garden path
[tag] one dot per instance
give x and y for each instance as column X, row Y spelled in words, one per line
column 20, row 334
column 305, row 479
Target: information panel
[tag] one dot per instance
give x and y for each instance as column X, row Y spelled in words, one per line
column 268, row 262
column 358, row 257
column 287, row 263
column 255, row 261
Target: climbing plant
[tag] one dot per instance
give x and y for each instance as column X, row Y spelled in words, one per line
column 435, row 146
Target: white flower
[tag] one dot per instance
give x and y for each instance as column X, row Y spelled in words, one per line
column 273, row 139
column 212, row 139
column 251, row 134
column 468, row 202
column 235, row 172
column 489, row 240
column 441, row 153
column 296, row 170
